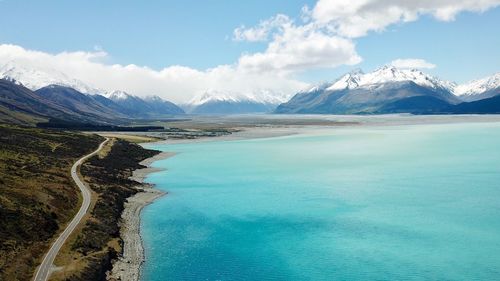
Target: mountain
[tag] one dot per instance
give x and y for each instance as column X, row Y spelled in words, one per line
column 417, row 105
column 151, row 107
column 484, row 106
column 35, row 79
column 389, row 74
column 216, row 102
column 385, row 90
column 20, row 105
column 96, row 108
column 81, row 99
column 479, row 89
column 161, row 106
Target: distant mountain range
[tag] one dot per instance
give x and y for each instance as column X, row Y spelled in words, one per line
column 35, row 79
column 215, row 102
column 29, row 96
column 479, row 89
column 23, row 106
column 210, row 102
column 148, row 107
column 392, row 90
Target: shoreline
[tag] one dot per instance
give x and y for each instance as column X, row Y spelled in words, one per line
column 127, row 267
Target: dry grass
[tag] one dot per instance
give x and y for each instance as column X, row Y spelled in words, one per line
column 131, row 138
column 107, row 148
column 38, row 197
column 19, row 118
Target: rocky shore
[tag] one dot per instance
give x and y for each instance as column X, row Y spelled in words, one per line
column 127, row 267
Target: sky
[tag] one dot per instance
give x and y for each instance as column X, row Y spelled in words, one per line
column 180, row 49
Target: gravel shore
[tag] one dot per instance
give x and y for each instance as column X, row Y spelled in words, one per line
column 128, row 266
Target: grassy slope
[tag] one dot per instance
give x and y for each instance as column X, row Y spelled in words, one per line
column 17, row 117
column 37, row 195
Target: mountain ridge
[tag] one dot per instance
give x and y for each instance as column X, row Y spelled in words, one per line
column 217, row 102
column 387, row 89
column 35, row 79
column 480, row 88
column 120, row 103
column 377, row 92
column 149, row 107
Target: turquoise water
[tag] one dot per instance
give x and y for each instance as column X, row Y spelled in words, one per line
column 415, row 202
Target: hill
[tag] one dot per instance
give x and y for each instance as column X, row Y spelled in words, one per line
column 38, row 197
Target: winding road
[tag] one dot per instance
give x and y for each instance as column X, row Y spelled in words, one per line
column 45, row 269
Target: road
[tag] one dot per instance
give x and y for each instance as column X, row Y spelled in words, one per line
column 44, row 270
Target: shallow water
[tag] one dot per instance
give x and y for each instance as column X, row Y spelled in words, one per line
column 372, row 203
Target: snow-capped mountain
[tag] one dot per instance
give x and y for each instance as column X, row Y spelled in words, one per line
column 389, row 74
column 218, row 102
column 374, row 92
column 160, row 106
column 350, row 80
column 35, row 79
column 479, row 89
column 212, row 96
column 266, row 97
column 117, row 95
column 126, row 105
column 149, row 107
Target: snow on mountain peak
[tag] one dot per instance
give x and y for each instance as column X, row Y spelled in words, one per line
column 212, row 96
column 350, row 80
column 393, row 74
column 387, row 74
column 35, row 79
column 117, row 95
column 265, row 97
column 478, row 86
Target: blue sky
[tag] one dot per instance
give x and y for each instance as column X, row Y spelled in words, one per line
column 199, row 35
column 155, row 33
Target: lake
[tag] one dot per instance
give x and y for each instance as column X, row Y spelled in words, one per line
column 412, row 202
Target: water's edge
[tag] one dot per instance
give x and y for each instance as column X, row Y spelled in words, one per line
column 128, row 265
column 131, row 267
column 196, row 213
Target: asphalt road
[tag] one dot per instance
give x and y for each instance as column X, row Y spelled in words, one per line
column 44, row 270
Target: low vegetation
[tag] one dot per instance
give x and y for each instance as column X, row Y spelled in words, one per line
column 37, row 195
column 38, row 198
column 131, row 138
column 94, row 127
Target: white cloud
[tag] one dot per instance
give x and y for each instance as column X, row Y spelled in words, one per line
column 175, row 83
column 262, row 30
column 355, row 18
column 298, row 49
column 412, row 63
column 324, row 39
